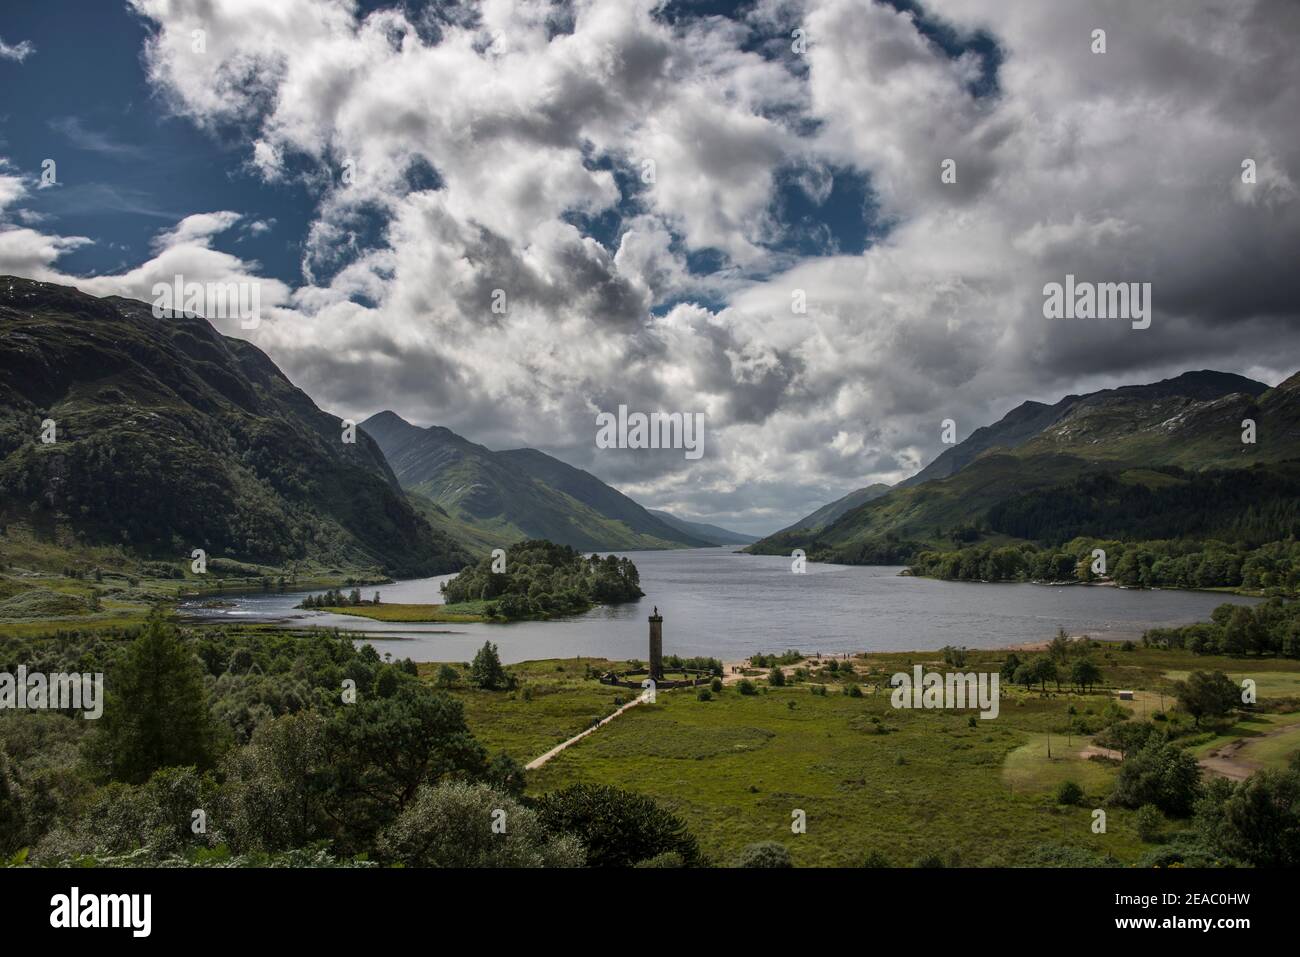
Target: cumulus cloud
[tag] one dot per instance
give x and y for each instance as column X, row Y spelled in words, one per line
column 528, row 212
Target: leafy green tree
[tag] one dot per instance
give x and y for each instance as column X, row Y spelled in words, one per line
column 156, row 712
column 1085, row 673
column 1161, row 774
column 458, row 824
column 156, row 816
column 486, row 670
column 274, row 793
column 380, row 751
column 1207, row 695
column 505, row 774
column 1256, row 821
column 1045, row 670
column 618, row 828
column 1009, row 666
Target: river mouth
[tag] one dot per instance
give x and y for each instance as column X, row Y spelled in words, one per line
column 729, row 605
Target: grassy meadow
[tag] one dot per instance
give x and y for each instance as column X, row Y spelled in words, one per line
column 908, row 784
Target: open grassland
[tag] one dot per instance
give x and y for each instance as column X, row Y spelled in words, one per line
column 907, row 784
column 869, row 777
column 465, row 611
column 51, row 585
column 554, row 701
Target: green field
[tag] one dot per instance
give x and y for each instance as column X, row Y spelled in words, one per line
column 466, row 611
column 869, row 777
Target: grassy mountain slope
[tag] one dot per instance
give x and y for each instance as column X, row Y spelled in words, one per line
column 1192, row 421
column 172, row 437
column 829, row 512
column 508, row 496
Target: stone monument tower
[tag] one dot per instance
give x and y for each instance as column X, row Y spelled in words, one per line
column 657, row 645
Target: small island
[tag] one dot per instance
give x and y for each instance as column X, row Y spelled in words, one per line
column 533, row 580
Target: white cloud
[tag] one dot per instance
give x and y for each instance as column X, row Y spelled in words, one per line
column 18, row 52
column 1123, row 166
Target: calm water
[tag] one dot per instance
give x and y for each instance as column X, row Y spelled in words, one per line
column 718, row 603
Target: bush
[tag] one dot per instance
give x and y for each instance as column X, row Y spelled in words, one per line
column 764, row 854
column 853, row 691
column 1069, row 793
column 1160, row 774
column 716, row 685
column 666, row 859
column 1150, row 823
column 704, row 694
column 876, row 859
column 776, row 678
column 456, row 825
column 745, row 686
column 1256, row 821
column 619, row 828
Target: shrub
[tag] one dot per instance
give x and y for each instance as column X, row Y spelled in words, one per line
column 876, row 859
column 619, row 828
column 1149, row 823
column 716, row 685
column 666, row 859
column 776, row 678
column 454, row 825
column 1069, row 793
column 745, row 686
column 764, row 854
column 853, row 691
column 704, row 694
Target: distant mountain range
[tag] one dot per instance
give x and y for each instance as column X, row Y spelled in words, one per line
column 703, row 530
column 523, row 493
column 1146, row 434
column 170, row 437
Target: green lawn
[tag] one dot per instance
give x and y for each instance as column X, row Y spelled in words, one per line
column 1029, row 770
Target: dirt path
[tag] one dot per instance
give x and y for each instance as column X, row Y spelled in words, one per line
column 1096, row 751
column 538, row 762
column 1227, row 761
column 731, row 674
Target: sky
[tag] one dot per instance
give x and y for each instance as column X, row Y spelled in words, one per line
column 508, row 217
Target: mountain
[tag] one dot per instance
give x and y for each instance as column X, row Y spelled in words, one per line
column 517, row 494
column 703, row 530
column 1192, row 422
column 171, row 437
column 830, row 512
column 1031, row 419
